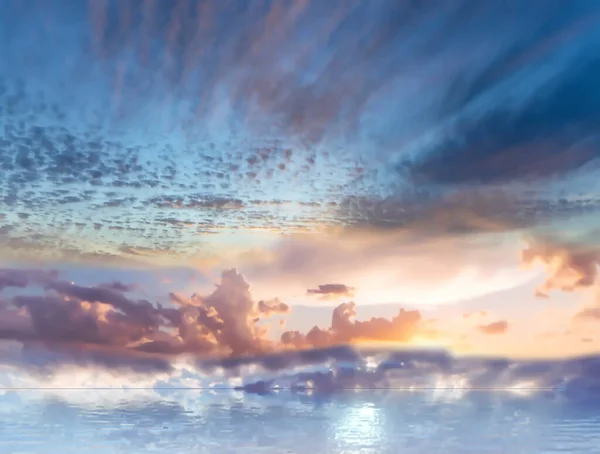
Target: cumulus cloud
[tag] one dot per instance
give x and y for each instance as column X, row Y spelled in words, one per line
column 70, row 315
column 69, row 327
column 344, row 328
column 63, row 317
column 570, row 266
column 328, row 291
column 274, row 306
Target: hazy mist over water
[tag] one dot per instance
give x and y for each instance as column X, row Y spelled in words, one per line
column 199, row 421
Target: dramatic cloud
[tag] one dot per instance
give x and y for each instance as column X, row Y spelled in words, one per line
column 71, row 315
column 217, row 338
column 63, row 317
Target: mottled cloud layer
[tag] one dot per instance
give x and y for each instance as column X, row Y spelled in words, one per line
column 157, row 125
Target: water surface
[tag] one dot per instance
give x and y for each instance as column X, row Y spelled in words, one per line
column 200, row 421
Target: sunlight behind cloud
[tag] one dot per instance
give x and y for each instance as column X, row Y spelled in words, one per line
column 384, row 286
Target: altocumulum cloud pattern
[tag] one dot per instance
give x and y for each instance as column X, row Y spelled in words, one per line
column 133, row 125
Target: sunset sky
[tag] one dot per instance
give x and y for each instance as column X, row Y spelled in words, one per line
column 214, row 178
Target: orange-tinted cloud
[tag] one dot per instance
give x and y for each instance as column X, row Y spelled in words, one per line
column 498, row 327
column 590, row 313
column 344, row 329
column 472, row 314
column 74, row 318
column 570, row 266
column 224, row 322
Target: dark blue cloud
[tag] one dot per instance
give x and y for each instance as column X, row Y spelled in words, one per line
column 327, row 371
column 550, row 131
column 554, row 133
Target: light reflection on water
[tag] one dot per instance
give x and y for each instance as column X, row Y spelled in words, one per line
column 364, row 422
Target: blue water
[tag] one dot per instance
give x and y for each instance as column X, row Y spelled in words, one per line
column 199, row 421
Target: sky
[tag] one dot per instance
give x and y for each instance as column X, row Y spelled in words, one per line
column 206, row 181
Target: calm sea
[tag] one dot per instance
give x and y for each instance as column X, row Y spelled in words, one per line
column 196, row 421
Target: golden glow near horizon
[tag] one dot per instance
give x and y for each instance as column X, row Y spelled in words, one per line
column 433, row 278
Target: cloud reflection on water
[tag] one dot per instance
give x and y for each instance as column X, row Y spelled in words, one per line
column 350, row 422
